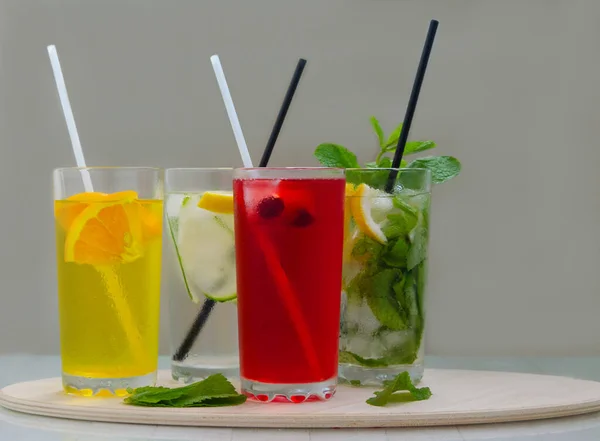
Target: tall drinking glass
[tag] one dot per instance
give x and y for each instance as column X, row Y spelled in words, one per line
column 108, row 254
column 289, row 236
column 384, row 275
column 200, row 269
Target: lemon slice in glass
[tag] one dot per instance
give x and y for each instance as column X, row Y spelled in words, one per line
column 369, row 208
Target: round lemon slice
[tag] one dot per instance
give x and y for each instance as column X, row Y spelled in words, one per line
column 206, row 249
column 369, row 208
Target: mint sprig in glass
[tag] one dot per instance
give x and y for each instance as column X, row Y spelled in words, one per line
column 385, row 257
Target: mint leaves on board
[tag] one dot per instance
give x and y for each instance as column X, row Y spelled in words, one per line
column 399, row 390
column 214, row 391
column 443, row 168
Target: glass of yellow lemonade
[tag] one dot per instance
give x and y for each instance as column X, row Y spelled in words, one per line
column 108, row 254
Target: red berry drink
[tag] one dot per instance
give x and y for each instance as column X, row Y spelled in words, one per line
column 289, row 235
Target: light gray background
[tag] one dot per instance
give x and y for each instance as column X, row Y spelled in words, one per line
column 512, row 90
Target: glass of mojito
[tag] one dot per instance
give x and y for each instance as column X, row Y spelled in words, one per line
column 200, row 272
column 108, row 254
column 384, row 275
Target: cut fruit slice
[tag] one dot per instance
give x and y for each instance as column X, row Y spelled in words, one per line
column 217, row 202
column 107, row 231
column 151, row 223
column 369, row 208
column 347, row 209
column 65, row 213
column 205, row 247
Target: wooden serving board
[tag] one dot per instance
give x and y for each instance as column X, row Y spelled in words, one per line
column 460, row 397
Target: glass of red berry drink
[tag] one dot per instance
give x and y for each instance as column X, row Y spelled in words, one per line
column 289, row 226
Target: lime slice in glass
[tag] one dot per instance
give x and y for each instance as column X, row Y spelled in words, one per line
column 206, row 251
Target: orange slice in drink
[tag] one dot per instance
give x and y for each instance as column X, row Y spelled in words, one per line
column 107, row 230
column 65, row 213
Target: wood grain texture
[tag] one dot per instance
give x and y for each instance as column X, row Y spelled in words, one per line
column 460, row 397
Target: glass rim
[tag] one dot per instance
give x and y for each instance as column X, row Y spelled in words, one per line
column 108, row 167
column 183, row 169
column 289, row 173
column 374, row 169
column 180, row 171
column 289, row 168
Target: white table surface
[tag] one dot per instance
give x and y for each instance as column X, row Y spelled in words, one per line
column 15, row 426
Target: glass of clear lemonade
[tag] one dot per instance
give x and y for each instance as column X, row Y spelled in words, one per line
column 200, row 273
column 108, row 254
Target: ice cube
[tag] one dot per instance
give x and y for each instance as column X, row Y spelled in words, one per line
column 394, row 339
column 362, row 316
column 365, row 345
column 174, row 202
column 257, row 190
column 381, row 206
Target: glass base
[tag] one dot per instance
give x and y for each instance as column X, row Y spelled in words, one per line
column 293, row 393
column 104, row 387
column 186, row 372
column 364, row 376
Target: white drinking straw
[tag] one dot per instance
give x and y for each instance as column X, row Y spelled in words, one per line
column 69, row 119
column 233, row 119
column 114, row 285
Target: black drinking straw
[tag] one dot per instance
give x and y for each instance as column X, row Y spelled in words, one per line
column 412, row 104
column 282, row 112
column 202, row 317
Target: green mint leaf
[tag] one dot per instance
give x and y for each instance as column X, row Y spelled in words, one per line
column 185, row 200
column 442, row 168
column 352, row 358
column 220, row 402
column 418, row 146
column 419, row 238
column 378, row 130
column 421, row 273
column 366, row 248
column 402, row 222
column 382, row 301
column 404, row 353
column 355, row 290
column 333, row 155
column 400, row 389
column 396, row 253
column 406, row 208
column 412, row 147
column 411, row 301
column 152, row 395
column 213, row 391
column 375, row 179
column 399, row 291
column 392, row 141
column 384, row 162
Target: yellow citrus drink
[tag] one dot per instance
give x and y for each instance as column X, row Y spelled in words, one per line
column 108, row 259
